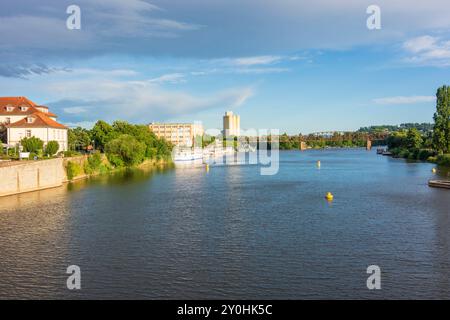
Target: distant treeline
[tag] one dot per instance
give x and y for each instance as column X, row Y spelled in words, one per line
column 334, row 140
column 377, row 134
column 422, row 127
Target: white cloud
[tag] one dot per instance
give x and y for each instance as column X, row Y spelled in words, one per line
column 428, row 50
column 83, row 124
column 261, row 70
column 170, row 78
column 74, row 110
column 405, row 100
column 141, row 100
column 258, row 60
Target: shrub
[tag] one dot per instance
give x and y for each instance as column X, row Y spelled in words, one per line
column 73, row 169
column 95, row 164
column 126, row 148
column 32, row 144
column 443, row 160
column 403, row 153
column 115, row 160
column 71, row 153
column 104, row 168
column 51, row 148
column 32, row 155
column 95, row 160
column 424, row 154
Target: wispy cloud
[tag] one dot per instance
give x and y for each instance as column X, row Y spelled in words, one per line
column 74, row 110
column 136, row 100
column 258, row 60
column 25, row 71
column 428, row 50
column 169, row 78
column 404, row 100
column 247, row 65
column 36, row 33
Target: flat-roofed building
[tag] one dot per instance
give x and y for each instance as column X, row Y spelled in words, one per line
column 231, row 124
column 179, row 134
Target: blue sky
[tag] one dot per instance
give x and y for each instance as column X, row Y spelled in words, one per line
column 294, row 65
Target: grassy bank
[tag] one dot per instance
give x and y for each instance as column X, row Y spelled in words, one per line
column 82, row 167
column 428, row 155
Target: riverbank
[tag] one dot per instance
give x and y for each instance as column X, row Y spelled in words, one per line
column 83, row 167
column 26, row 176
column 424, row 155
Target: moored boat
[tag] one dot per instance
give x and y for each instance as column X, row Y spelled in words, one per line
column 439, row 184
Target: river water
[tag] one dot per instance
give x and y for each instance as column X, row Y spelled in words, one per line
column 232, row 233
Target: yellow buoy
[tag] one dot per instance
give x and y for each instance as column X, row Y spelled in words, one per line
column 318, row 164
column 329, row 196
column 207, row 167
column 433, row 170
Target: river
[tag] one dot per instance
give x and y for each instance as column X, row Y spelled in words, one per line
column 231, row 233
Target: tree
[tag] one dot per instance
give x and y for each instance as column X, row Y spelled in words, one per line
column 79, row 138
column 51, row 148
column 102, row 133
column 2, row 132
column 32, row 144
column 441, row 131
column 413, row 139
column 125, row 150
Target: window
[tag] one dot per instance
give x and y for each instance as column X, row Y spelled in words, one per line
column 28, row 133
column 9, row 108
column 30, row 119
column 23, row 108
column 8, row 120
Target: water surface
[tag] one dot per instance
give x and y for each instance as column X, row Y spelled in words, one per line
column 232, row 233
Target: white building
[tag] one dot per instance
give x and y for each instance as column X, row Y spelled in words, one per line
column 231, row 125
column 23, row 118
column 179, row 134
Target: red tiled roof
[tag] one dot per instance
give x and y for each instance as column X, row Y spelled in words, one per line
column 41, row 120
column 16, row 103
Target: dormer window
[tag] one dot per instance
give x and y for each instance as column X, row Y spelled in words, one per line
column 9, row 108
column 30, row 120
column 23, row 108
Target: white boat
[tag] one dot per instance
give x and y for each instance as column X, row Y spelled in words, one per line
column 187, row 155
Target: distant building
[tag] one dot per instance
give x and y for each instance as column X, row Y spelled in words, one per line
column 24, row 119
column 231, row 124
column 179, row 134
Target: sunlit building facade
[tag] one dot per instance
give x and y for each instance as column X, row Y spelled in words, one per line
column 231, row 124
column 179, row 134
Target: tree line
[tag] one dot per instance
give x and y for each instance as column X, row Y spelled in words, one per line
column 124, row 144
column 432, row 145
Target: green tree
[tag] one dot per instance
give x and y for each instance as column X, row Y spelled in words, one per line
column 124, row 127
column 102, row 133
column 2, row 132
column 79, row 138
column 441, row 131
column 51, row 148
column 397, row 140
column 414, row 139
column 125, row 150
column 32, row 144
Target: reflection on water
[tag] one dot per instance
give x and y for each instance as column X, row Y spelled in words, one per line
column 231, row 233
